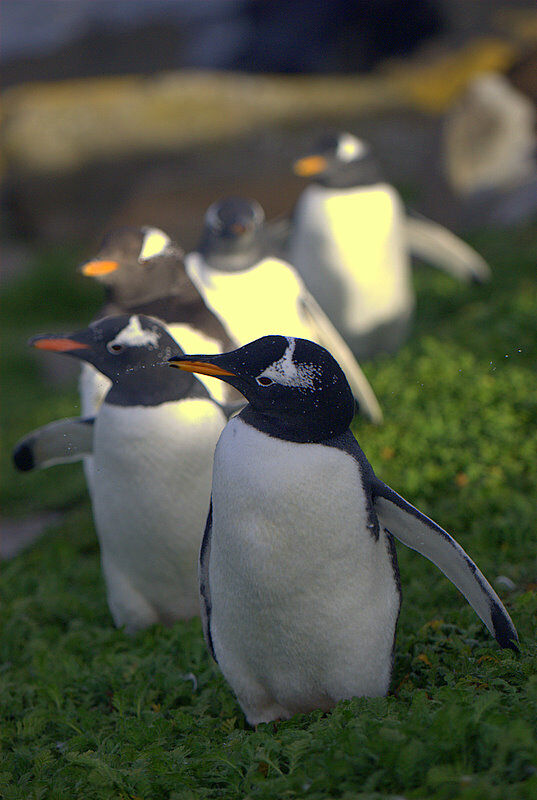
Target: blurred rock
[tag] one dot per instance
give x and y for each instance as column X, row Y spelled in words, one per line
column 51, row 128
column 80, row 156
column 173, row 191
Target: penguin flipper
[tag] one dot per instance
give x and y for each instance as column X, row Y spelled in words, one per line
column 439, row 247
column 420, row 533
column 205, row 590
column 327, row 336
column 60, row 442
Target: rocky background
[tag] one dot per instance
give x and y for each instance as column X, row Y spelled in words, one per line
column 145, row 112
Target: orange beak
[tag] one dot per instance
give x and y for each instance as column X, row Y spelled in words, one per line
column 199, row 366
column 311, row 165
column 59, row 345
column 94, row 268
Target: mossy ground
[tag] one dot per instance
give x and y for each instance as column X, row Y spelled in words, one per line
column 88, row 712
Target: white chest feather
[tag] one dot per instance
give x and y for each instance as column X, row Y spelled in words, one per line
column 304, row 602
column 93, row 387
column 151, row 489
column 349, row 247
column 256, row 302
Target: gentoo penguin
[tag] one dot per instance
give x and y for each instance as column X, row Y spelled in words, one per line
column 351, row 240
column 489, row 137
column 254, row 294
column 298, row 571
column 153, row 444
column 143, row 273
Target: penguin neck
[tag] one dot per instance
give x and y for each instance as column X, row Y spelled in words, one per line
column 152, row 386
column 300, row 428
column 355, row 174
column 233, row 262
column 173, row 307
column 163, row 282
column 234, row 256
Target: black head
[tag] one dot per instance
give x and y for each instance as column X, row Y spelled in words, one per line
column 339, row 160
column 136, row 265
column 232, row 236
column 128, row 349
column 296, row 390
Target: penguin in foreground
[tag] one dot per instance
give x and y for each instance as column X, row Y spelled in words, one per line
column 152, row 445
column 253, row 293
column 351, row 242
column 298, row 571
column 142, row 271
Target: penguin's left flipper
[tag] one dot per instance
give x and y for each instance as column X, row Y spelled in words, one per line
column 205, row 589
column 420, row 533
column 59, row 442
column 328, row 337
column 439, row 247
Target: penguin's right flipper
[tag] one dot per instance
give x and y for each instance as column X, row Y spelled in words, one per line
column 205, row 589
column 434, row 244
column 330, row 338
column 59, row 442
column 420, row 533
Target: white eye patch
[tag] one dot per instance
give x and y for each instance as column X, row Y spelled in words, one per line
column 133, row 335
column 349, row 148
column 155, row 244
column 287, row 373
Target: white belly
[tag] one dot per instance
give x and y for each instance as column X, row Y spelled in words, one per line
column 348, row 245
column 151, row 489
column 304, row 602
column 259, row 301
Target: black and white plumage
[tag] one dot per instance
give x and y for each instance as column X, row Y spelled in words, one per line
column 298, row 571
column 59, row 442
column 142, row 272
column 351, row 241
column 150, row 474
column 254, row 293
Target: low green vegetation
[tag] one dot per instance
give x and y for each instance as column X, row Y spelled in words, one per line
column 88, row 712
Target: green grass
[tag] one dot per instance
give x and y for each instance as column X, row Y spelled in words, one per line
column 87, row 712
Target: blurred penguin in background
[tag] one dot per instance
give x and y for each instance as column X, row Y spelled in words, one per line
column 142, row 272
column 254, row 293
column 351, row 241
column 490, row 149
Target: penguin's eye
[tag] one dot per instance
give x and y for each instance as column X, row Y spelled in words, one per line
column 264, row 381
column 114, row 348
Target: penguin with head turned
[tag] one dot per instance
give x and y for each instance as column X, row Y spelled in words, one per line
column 254, row 293
column 142, row 271
column 351, row 241
column 298, row 571
column 152, row 443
